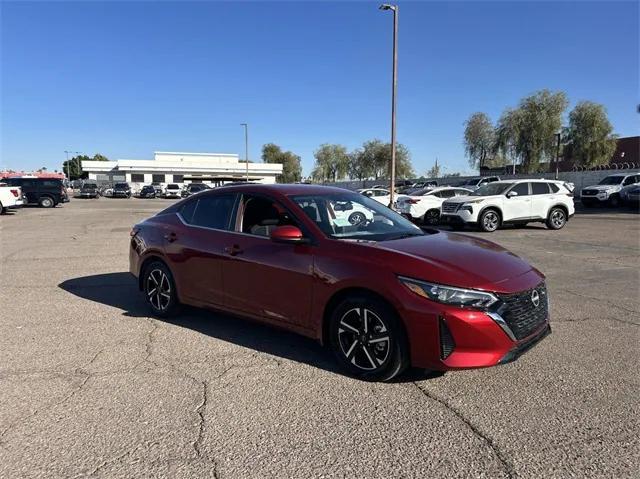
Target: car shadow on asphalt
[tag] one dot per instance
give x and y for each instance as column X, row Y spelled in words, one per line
column 119, row 290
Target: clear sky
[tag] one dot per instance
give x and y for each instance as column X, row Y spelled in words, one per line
column 125, row 79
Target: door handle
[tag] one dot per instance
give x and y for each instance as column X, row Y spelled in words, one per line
column 233, row 250
column 170, row 237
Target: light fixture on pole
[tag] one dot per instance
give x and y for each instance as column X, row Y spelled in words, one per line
column 394, row 9
column 246, row 147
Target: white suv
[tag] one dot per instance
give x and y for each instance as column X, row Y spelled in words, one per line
column 424, row 205
column 511, row 202
column 608, row 190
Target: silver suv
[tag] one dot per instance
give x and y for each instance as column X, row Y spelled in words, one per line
column 607, row 192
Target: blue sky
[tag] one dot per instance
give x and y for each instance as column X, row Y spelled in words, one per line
column 126, row 79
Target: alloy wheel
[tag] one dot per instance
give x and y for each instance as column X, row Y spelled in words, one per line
column 490, row 221
column 364, row 339
column 557, row 219
column 356, row 218
column 158, row 289
column 432, row 217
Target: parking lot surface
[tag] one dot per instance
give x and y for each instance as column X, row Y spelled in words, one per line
column 92, row 386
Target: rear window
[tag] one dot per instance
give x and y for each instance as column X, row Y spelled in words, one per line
column 51, row 183
column 173, row 186
column 122, row 185
column 539, row 188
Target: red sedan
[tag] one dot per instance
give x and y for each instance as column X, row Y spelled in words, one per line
column 345, row 270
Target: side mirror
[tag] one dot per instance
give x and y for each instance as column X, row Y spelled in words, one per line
column 287, row 234
column 368, row 193
column 511, row 194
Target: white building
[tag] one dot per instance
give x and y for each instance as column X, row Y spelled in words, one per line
column 174, row 167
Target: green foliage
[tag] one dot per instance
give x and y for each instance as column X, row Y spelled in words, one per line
column 332, row 163
column 434, row 171
column 479, row 138
column 73, row 167
column 590, row 135
column 526, row 134
column 373, row 160
column 291, row 166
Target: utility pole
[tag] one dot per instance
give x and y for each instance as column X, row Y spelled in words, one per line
column 394, row 87
column 246, row 148
column 557, row 153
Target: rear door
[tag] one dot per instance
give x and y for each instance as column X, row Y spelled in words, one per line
column 195, row 244
column 541, row 199
column 517, row 207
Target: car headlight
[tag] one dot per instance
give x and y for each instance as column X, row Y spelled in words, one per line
column 470, row 298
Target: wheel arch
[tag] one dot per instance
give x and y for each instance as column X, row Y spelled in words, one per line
column 344, row 293
column 148, row 260
column 491, row 207
column 562, row 207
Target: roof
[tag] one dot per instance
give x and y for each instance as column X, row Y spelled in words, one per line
column 288, row 189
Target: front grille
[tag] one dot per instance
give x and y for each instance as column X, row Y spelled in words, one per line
column 449, row 207
column 520, row 312
column 447, row 344
column 589, row 192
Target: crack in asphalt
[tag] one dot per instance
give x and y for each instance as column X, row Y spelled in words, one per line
column 611, row 304
column 504, row 461
column 49, row 406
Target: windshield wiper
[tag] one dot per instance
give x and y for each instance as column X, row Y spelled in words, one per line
column 404, row 235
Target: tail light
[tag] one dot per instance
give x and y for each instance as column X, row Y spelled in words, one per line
column 15, row 193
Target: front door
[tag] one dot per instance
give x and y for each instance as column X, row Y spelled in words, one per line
column 517, row 207
column 266, row 279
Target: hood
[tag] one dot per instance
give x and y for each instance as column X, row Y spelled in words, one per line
column 459, row 260
column 602, row 187
column 467, row 199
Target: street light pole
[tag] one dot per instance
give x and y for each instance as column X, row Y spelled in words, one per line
column 394, row 88
column 246, row 147
column 68, row 167
column 557, row 153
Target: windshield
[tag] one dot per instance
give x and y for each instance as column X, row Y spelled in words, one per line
column 491, row 189
column 90, row 186
column 173, row 187
column 121, row 185
column 350, row 216
column 612, row 180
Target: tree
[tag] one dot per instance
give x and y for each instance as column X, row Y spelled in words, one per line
column 434, row 171
column 291, row 166
column 332, row 163
column 527, row 134
column 479, row 138
column 378, row 159
column 590, row 135
column 73, row 167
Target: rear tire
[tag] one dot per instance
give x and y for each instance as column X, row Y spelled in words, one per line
column 489, row 221
column 431, row 218
column 356, row 218
column 46, row 202
column 159, row 289
column 557, row 219
column 368, row 339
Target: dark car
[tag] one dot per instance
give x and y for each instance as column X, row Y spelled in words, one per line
column 46, row 192
column 121, row 190
column 193, row 188
column 382, row 294
column 89, row 190
column 147, row 191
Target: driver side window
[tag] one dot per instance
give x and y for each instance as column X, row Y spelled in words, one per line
column 260, row 216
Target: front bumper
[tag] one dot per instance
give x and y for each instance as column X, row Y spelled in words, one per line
column 444, row 337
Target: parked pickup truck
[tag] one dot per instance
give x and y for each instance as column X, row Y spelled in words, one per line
column 10, row 197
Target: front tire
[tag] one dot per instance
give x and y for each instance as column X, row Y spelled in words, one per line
column 557, row 219
column 614, row 201
column 160, row 290
column 489, row 221
column 368, row 339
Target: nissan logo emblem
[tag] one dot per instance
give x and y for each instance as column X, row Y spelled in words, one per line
column 535, row 297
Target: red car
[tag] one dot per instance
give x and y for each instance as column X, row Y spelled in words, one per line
column 379, row 291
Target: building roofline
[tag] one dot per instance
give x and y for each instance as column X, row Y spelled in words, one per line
column 193, row 154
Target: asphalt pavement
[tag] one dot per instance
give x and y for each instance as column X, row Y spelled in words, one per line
column 92, row 386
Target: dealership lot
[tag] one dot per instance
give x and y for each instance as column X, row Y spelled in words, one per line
column 91, row 386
